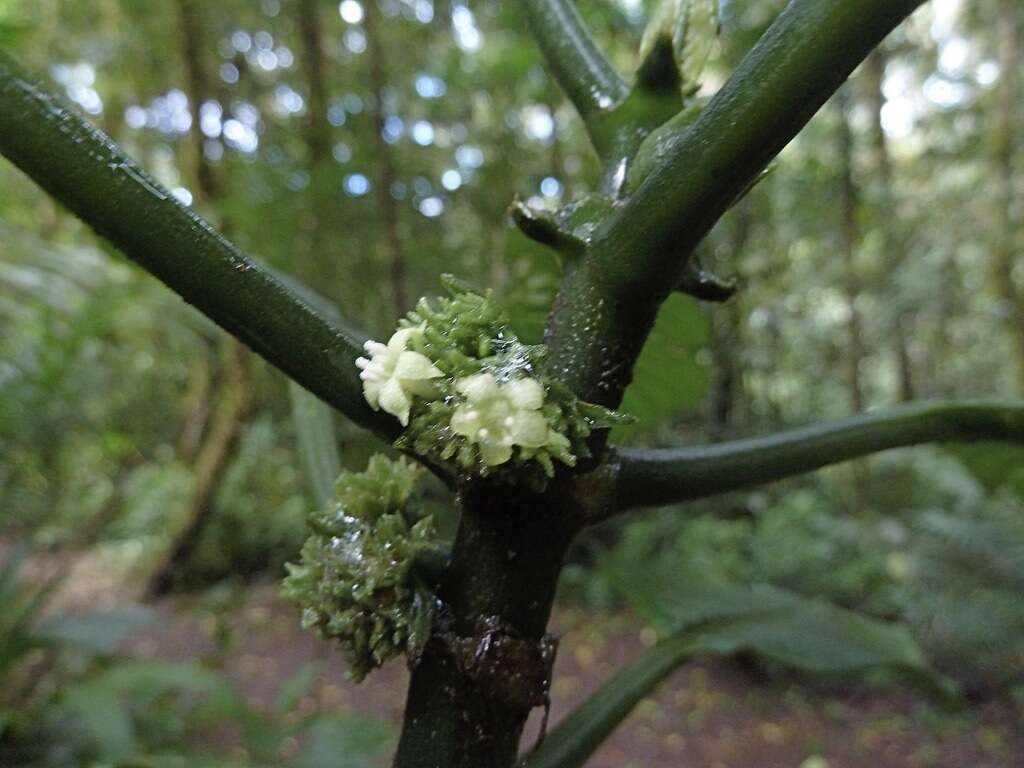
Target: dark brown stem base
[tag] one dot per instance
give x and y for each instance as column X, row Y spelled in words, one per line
column 488, row 662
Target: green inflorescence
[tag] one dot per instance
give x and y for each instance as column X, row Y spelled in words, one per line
column 358, row 579
column 474, row 397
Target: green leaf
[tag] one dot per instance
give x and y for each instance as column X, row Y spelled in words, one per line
column 104, row 704
column 295, row 687
column 100, row 632
column 668, row 380
column 579, row 735
column 700, row 617
column 994, row 465
column 105, row 719
column 22, row 606
column 359, row 739
column 801, row 633
column 314, row 429
column 686, row 30
column 814, row 636
column 993, row 550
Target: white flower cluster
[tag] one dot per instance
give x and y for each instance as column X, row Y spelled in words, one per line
column 495, row 415
column 393, row 374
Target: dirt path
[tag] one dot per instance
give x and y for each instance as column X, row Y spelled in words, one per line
column 710, row 715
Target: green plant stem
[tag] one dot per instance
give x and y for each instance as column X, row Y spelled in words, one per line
column 795, row 67
column 579, row 735
column 579, row 66
column 609, row 298
column 505, row 562
column 82, row 168
column 645, row 478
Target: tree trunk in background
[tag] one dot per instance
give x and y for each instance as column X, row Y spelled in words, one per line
column 893, row 247
column 200, row 90
column 726, row 379
column 317, row 262
column 318, row 136
column 941, row 342
column 196, row 406
column 211, row 462
column 384, row 162
column 217, row 446
column 1008, row 208
column 849, row 239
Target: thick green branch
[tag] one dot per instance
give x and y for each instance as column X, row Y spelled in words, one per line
column 797, row 65
column 83, row 169
column 586, row 76
column 645, row 478
column 639, row 253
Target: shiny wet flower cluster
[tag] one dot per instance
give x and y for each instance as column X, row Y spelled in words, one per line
column 472, row 396
column 393, row 374
column 358, row 579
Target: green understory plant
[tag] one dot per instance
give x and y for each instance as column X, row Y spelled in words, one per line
column 70, row 697
column 520, row 433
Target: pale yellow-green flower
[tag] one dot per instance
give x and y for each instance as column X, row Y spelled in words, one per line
column 498, row 416
column 393, row 374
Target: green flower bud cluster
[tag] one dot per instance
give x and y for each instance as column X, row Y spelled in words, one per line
column 357, row 580
column 473, row 396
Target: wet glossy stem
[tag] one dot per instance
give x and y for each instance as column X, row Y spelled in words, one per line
column 593, row 721
column 638, row 254
column 505, row 563
column 579, row 66
column 647, row 478
column 83, row 169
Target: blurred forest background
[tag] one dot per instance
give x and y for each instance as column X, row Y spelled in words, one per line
column 143, row 453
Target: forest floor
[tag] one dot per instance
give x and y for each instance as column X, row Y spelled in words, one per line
column 715, row 715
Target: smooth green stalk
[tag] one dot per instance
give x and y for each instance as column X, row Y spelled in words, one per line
column 579, row 66
column 797, row 65
column 645, row 478
column 582, row 732
column 86, row 171
column 506, row 557
column 639, row 253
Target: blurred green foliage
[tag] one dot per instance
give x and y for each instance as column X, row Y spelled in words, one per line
column 953, row 576
column 98, row 363
column 67, row 698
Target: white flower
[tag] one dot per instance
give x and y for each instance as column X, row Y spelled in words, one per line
column 393, row 374
column 499, row 416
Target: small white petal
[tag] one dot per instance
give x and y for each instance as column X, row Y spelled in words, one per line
column 477, row 387
column 425, row 388
column 465, row 422
column 371, row 391
column 394, row 400
column 530, row 429
column 413, row 365
column 362, row 362
column 525, row 393
column 494, row 454
column 399, row 341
